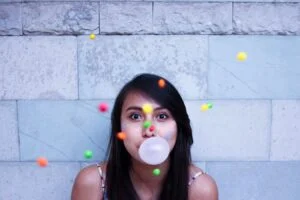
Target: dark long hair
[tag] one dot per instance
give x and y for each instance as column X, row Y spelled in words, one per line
column 118, row 182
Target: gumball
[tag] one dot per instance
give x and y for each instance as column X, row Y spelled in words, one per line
column 42, row 162
column 121, row 136
column 92, row 36
column 204, row 107
column 156, row 172
column 88, row 154
column 241, row 56
column 147, row 108
column 161, row 83
column 152, row 128
column 147, row 124
column 103, row 107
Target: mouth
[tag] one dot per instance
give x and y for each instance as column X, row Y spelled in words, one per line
column 139, row 145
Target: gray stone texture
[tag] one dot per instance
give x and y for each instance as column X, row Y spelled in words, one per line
column 10, row 1
column 86, row 164
column 231, row 130
column 285, row 141
column 201, row 165
column 9, row 144
column 192, row 18
column 64, row 132
column 25, row 180
column 288, row 1
column 51, row 86
column 58, row 18
column 38, row 67
column 271, row 70
column 266, row 18
column 107, row 63
column 256, row 180
column 125, row 18
column 10, row 19
column 61, row 0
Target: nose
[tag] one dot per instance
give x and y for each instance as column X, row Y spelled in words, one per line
column 150, row 131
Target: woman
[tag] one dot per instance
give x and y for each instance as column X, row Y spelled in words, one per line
column 125, row 175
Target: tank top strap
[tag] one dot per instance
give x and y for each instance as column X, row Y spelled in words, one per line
column 195, row 176
column 102, row 184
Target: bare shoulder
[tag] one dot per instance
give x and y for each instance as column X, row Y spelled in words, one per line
column 87, row 184
column 203, row 187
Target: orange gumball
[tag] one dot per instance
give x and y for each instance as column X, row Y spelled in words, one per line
column 161, row 83
column 121, row 136
column 42, row 162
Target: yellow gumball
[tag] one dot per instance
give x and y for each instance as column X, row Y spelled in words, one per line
column 241, row 56
column 147, row 108
column 92, row 36
column 204, row 107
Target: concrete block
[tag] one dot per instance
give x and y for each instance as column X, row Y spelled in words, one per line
column 231, row 130
column 266, row 18
column 63, row 130
column 23, row 181
column 192, row 18
column 108, row 62
column 125, row 17
column 256, row 180
column 38, row 67
column 9, row 140
column 10, row 19
column 270, row 71
column 285, row 130
column 57, row 18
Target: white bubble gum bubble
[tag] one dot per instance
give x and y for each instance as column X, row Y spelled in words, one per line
column 154, row 151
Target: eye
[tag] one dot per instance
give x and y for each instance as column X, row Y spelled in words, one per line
column 162, row 116
column 135, row 116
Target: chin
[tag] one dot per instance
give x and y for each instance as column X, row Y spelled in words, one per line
column 138, row 160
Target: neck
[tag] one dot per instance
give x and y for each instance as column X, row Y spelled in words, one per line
column 142, row 175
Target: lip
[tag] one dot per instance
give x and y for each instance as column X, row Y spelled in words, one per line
column 139, row 145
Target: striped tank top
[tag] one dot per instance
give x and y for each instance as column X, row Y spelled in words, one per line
column 103, row 190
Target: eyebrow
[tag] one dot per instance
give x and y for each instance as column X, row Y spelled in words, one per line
column 140, row 109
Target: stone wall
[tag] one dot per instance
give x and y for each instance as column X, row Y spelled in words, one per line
column 53, row 76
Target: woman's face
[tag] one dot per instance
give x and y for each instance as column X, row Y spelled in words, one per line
column 133, row 118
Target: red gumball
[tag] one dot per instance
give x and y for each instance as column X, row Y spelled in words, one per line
column 103, row 107
column 151, row 128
